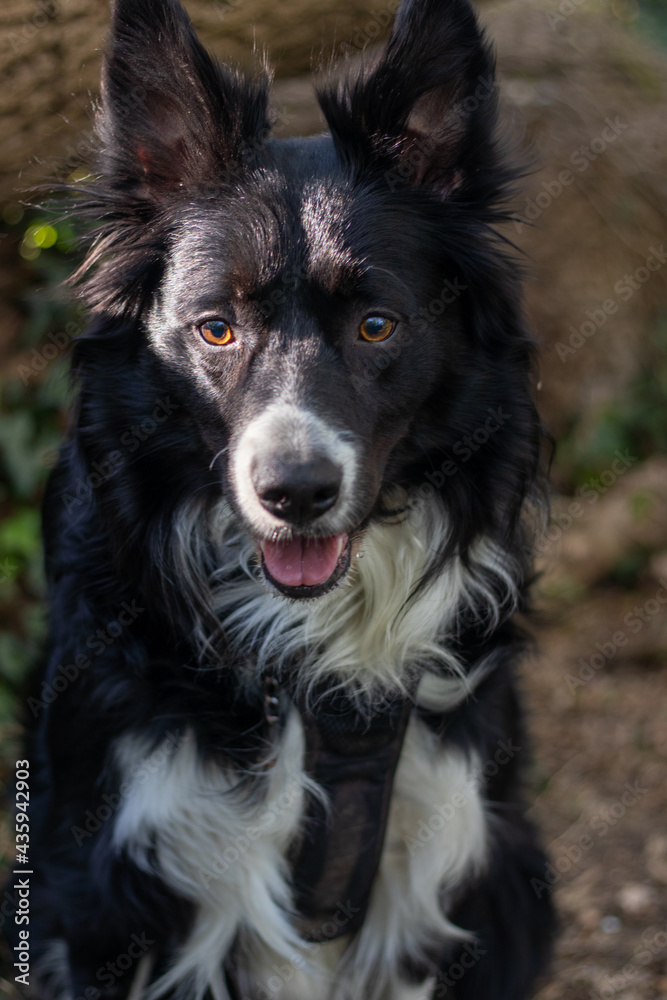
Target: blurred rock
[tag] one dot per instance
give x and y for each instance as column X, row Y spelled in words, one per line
column 635, row 898
column 568, row 78
column 592, row 533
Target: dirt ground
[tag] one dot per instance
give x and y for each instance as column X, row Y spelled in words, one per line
column 599, row 728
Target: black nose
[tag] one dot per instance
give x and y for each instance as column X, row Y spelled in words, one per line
column 298, row 492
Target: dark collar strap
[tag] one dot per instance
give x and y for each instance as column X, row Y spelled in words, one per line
column 354, row 760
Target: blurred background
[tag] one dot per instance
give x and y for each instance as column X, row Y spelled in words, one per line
column 584, row 86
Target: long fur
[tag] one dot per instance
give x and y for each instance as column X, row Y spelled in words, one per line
column 169, row 801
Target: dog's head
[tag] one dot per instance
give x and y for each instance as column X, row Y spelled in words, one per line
column 331, row 313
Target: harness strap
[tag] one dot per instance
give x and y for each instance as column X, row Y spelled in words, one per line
column 354, row 761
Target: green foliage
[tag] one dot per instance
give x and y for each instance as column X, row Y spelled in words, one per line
column 29, row 433
column 653, row 19
column 30, row 421
column 637, row 423
column 33, row 396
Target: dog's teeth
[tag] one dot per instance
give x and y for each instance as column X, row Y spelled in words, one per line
column 340, row 548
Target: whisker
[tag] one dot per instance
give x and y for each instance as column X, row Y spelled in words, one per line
column 217, row 455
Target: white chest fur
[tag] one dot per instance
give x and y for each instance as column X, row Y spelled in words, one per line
column 224, row 850
column 367, row 632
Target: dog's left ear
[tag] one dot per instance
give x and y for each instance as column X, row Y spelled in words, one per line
column 425, row 113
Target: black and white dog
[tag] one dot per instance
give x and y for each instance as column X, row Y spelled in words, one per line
column 278, row 745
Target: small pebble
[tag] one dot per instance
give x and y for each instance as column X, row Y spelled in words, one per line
column 589, row 919
column 635, row 898
column 610, row 925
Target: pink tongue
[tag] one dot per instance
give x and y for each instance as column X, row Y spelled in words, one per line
column 302, row 562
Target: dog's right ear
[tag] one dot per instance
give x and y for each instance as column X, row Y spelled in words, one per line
column 171, row 116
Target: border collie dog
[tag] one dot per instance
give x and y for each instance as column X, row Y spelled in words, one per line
column 278, row 746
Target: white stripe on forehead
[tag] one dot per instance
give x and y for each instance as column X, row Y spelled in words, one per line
column 325, row 211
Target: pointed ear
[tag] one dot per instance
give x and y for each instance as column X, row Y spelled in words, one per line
column 171, row 115
column 425, row 113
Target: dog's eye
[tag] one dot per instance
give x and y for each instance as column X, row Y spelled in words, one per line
column 376, row 328
column 217, row 332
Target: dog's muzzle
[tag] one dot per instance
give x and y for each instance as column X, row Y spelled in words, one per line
column 299, row 494
column 294, row 476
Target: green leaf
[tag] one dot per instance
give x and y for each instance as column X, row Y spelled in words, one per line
column 16, row 659
column 20, row 533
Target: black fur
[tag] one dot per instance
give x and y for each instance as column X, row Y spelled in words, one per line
column 196, row 211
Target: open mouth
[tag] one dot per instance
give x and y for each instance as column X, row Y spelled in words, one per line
column 306, row 566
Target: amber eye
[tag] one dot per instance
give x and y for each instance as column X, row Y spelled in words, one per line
column 217, row 332
column 376, row 328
